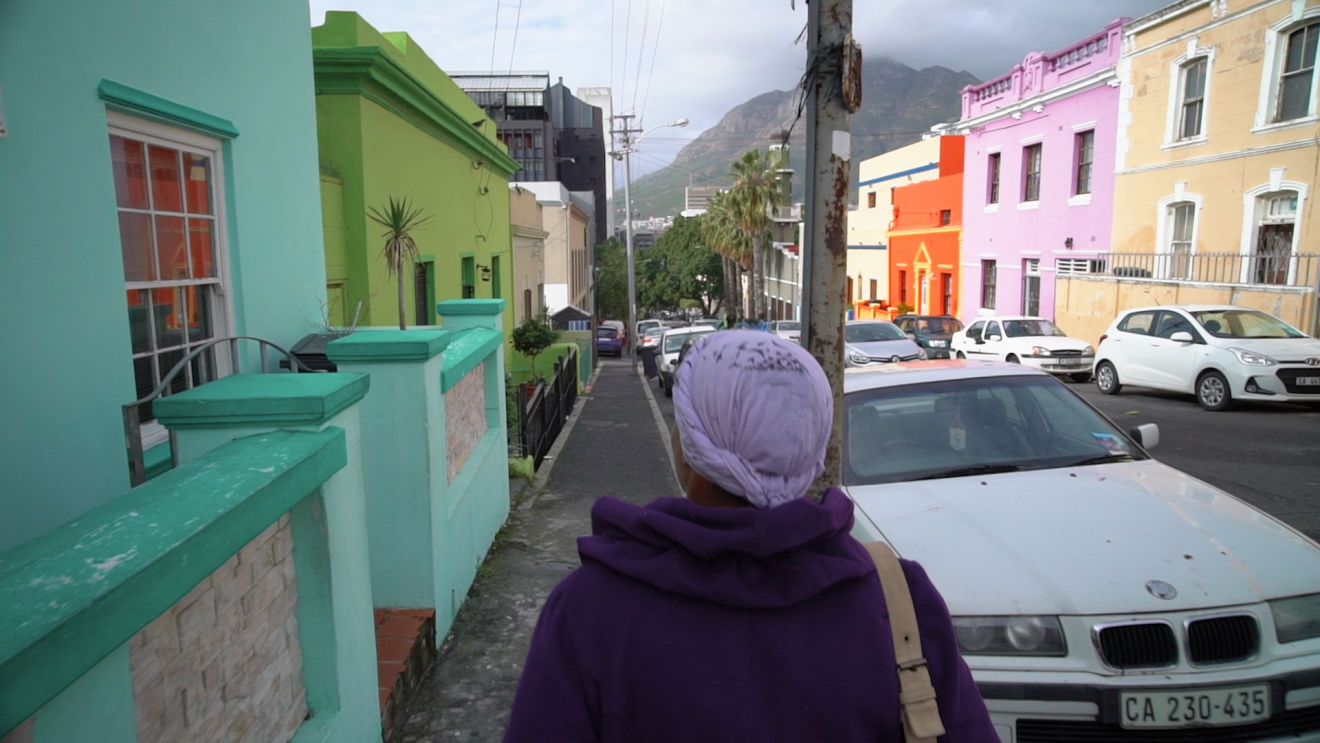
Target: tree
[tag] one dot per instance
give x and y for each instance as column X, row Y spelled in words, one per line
column 755, row 191
column 680, row 270
column 399, row 219
column 532, row 337
column 611, row 279
column 722, row 235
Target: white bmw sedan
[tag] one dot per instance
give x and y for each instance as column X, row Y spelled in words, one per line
column 1097, row 594
column 1218, row 353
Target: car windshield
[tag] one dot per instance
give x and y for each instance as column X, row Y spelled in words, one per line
column 982, row 425
column 870, row 332
column 939, row 325
column 1029, row 328
column 788, row 325
column 674, row 341
column 606, row 333
column 1245, row 324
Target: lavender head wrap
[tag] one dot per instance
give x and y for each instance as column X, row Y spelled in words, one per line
column 754, row 413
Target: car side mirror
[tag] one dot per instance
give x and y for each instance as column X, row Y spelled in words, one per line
column 1182, row 336
column 1146, row 434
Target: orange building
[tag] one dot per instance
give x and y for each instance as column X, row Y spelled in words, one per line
column 925, row 238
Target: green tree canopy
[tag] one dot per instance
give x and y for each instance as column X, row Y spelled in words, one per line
column 681, row 270
column 612, row 279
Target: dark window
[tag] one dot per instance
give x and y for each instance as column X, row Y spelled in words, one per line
column 527, row 304
column 993, row 196
column 988, row 284
column 974, row 330
column 946, row 293
column 870, row 200
column 1193, row 98
column 874, row 288
column 1085, row 154
column 1140, row 323
column 945, row 216
column 902, row 287
column 1031, row 173
column 422, row 293
column 1298, row 69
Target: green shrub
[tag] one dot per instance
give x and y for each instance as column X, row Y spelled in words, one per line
column 523, row 467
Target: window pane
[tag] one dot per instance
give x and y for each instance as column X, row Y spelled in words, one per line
column 139, row 320
column 130, row 173
column 181, row 380
column 170, row 313
column 166, row 185
column 145, row 381
column 202, row 244
column 199, row 313
column 171, row 247
column 1194, row 82
column 135, row 243
column 199, row 183
column 1295, row 96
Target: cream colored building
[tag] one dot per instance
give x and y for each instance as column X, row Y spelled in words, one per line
column 529, row 234
column 1217, row 162
column 868, row 223
column 566, row 218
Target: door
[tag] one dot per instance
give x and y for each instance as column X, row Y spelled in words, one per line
column 1171, row 364
column 987, row 348
column 1031, row 286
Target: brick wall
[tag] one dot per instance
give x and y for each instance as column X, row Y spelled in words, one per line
column 224, row 663
column 465, row 418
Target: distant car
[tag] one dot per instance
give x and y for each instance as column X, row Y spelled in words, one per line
column 1218, row 353
column 1025, row 339
column 671, row 344
column 651, row 340
column 642, row 327
column 877, row 342
column 787, row 329
column 710, row 322
column 931, row 332
column 608, row 342
column 1096, row 594
column 618, row 326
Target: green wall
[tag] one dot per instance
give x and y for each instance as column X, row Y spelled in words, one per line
column 67, row 346
column 391, row 123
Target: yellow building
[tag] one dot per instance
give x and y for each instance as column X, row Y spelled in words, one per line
column 868, row 224
column 1217, row 158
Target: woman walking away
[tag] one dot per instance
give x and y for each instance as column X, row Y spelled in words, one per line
column 744, row 612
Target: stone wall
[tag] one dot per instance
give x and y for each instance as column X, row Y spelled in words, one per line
column 465, row 418
column 225, row 663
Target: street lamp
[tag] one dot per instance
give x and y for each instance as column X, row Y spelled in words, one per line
column 626, row 154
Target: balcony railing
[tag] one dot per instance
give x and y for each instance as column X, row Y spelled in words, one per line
column 1259, row 269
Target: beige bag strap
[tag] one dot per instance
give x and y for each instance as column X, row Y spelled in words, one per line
column 921, row 715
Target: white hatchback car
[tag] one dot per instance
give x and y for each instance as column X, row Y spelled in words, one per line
column 1024, row 339
column 1216, row 352
column 666, row 355
column 1096, row 593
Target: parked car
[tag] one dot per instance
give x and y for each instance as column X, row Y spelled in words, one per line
column 642, row 327
column 710, row 322
column 790, row 329
column 877, row 341
column 931, row 332
column 608, row 342
column 651, row 341
column 671, row 343
column 618, row 326
column 1024, row 339
column 1096, row 593
column 1219, row 353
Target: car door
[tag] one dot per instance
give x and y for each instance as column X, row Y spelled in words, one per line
column 1129, row 347
column 966, row 340
column 990, row 346
column 1171, row 364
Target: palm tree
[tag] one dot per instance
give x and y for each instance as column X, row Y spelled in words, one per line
column 722, row 234
column 399, row 219
column 755, row 191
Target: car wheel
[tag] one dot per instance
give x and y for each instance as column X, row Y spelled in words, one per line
column 1080, row 377
column 1012, row 359
column 1106, row 378
column 962, row 355
column 1212, row 391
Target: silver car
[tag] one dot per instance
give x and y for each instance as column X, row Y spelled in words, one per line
column 878, row 342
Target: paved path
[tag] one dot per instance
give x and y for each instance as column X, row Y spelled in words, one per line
column 612, row 446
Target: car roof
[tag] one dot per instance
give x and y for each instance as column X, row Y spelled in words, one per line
column 1008, row 317
column 689, row 329
column 1189, row 307
column 920, row 372
column 869, row 321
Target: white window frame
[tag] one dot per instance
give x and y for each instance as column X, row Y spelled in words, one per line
column 1276, row 46
column 1251, row 221
column 1177, row 75
column 222, row 309
column 1164, row 226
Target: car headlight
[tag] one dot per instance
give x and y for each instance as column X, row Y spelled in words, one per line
column 1010, row 635
column 1297, row 618
column 1251, row 358
column 1088, row 351
column 1040, row 351
column 921, row 353
column 857, row 358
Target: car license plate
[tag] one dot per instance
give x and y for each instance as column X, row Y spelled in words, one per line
column 939, row 344
column 1309, row 381
column 1231, row 705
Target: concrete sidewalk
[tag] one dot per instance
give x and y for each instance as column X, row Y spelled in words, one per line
column 612, row 445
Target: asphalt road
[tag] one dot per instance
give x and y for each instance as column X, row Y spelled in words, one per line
column 1267, row 455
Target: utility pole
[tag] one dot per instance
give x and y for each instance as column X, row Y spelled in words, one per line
column 625, row 150
column 833, row 93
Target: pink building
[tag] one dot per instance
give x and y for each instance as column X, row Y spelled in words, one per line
column 1038, row 194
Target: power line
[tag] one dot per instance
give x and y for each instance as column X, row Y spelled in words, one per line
column 655, row 49
column 495, row 37
column 517, row 21
column 641, row 54
column 627, row 29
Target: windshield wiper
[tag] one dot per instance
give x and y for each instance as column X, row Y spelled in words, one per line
column 1102, row 459
column 976, row 469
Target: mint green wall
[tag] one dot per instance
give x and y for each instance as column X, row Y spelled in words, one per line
column 381, row 145
column 68, row 367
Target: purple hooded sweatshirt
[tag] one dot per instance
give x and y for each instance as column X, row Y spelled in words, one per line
column 687, row 623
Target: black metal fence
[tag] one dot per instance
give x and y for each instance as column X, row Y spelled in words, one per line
column 542, row 411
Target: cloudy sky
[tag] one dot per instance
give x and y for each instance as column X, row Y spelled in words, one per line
column 667, row 59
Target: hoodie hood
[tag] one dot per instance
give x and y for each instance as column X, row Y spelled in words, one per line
column 741, row 557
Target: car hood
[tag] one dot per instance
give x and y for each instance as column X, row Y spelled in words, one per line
column 900, row 346
column 1279, row 349
column 1086, row 540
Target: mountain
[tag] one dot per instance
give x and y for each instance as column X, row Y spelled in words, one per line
column 899, row 104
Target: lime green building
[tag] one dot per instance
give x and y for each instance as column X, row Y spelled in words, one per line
column 390, row 123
